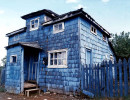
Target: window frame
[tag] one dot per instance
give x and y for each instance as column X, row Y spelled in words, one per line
column 57, row 31
column 95, row 33
column 11, row 59
column 35, row 28
column 55, row 51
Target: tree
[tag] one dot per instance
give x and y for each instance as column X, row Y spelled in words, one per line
column 121, row 44
column 3, row 61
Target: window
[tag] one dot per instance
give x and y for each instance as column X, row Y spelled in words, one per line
column 58, row 27
column 16, row 37
column 57, row 59
column 104, row 37
column 13, row 59
column 34, row 24
column 93, row 30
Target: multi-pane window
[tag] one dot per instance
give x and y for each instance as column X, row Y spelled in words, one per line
column 13, row 59
column 58, row 27
column 57, row 58
column 93, row 30
column 34, row 24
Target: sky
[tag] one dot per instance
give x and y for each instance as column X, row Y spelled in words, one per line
column 113, row 15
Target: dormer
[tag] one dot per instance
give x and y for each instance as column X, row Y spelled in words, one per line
column 35, row 19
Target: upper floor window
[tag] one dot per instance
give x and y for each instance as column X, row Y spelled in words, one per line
column 34, row 24
column 57, row 59
column 13, row 58
column 93, row 30
column 104, row 37
column 58, row 27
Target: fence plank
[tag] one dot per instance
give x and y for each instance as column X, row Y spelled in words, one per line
column 98, row 81
column 96, row 92
column 90, row 69
column 120, row 77
column 104, row 79
column 107, row 78
column 116, row 82
column 125, row 77
column 129, row 68
column 111, row 78
column 86, row 76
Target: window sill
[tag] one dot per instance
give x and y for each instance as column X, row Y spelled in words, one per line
column 58, row 66
column 33, row 29
column 58, row 31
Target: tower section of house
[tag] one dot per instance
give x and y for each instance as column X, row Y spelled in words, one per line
column 51, row 50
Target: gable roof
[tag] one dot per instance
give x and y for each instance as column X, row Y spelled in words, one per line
column 75, row 13
column 37, row 13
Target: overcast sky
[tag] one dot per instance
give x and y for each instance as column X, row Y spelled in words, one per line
column 113, row 15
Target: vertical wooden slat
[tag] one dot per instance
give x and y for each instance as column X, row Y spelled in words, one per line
column 86, row 76
column 103, row 79
column 95, row 79
column 92, row 81
column 90, row 77
column 107, row 78
column 98, row 84
column 116, row 82
column 125, row 77
column 129, row 68
column 83, row 75
column 111, row 78
column 120, row 77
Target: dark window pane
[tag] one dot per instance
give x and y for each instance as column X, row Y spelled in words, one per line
column 36, row 21
column 55, row 55
column 60, row 26
column 55, row 62
column 51, row 55
column 51, row 62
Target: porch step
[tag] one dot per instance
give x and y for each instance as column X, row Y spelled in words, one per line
column 30, row 90
column 29, row 85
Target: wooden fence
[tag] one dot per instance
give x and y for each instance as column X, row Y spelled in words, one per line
column 109, row 79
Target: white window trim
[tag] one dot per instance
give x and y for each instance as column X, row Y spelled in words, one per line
column 92, row 31
column 31, row 29
column 58, row 30
column 57, row 66
column 11, row 60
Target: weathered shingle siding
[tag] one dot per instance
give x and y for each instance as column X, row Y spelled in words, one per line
column 13, row 71
column 64, row 79
column 94, row 42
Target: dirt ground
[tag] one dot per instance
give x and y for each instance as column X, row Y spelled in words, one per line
column 42, row 96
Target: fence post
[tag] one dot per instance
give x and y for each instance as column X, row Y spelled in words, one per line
column 116, row 83
column 96, row 79
column 107, row 78
column 120, row 77
column 103, row 79
column 86, row 76
column 125, row 77
column 111, row 78
column 98, row 82
column 90, row 69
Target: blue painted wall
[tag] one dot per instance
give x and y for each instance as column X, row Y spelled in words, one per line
column 100, row 48
column 76, row 37
column 13, row 71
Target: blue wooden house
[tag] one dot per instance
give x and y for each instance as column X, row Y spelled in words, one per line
column 51, row 49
